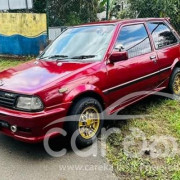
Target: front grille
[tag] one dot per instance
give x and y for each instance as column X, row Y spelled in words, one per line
column 7, row 99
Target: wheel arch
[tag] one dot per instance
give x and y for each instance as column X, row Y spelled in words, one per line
column 88, row 91
column 177, row 65
column 91, row 94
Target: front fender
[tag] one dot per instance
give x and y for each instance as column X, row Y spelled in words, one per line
column 84, row 89
column 175, row 64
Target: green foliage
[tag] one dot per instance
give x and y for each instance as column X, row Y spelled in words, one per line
column 149, row 8
column 162, row 120
column 68, row 12
column 39, row 6
column 7, row 63
column 157, row 8
column 113, row 11
column 72, row 12
column 125, row 14
column 176, row 175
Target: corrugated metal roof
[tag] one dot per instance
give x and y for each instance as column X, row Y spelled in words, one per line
column 15, row 4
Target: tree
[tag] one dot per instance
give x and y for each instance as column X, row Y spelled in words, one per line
column 149, row 8
column 72, row 12
column 39, row 6
column 113, row 9
column 157, row 8
column 66, row 12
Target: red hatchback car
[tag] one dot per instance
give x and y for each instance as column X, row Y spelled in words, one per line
column 84, row 71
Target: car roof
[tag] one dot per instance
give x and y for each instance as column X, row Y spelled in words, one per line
column 122, row 21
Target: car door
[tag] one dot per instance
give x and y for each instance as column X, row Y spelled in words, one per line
column 138, row 73
column 167, row 47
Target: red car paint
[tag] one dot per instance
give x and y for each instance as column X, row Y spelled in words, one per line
column 99, row 79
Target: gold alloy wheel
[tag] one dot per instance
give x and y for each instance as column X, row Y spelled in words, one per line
column 176, row 84
column 89, row 122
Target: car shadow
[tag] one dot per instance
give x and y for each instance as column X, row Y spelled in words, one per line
column 139, row 108
column 32, row 151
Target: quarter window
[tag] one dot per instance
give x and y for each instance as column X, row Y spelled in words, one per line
column 135, row 40
column 161, row 34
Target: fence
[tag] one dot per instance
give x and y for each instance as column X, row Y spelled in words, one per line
column 63, row 13
column 73, row 12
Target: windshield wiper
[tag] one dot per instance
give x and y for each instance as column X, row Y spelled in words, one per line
column 54, row 56
column 83, row 57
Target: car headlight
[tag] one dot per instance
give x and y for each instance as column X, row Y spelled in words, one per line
column 29, row 103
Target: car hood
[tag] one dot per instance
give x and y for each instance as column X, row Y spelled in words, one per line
column 34, row 75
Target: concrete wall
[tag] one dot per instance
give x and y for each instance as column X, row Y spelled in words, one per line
column 22, row 33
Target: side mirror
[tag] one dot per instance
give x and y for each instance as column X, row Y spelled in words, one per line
column 119, row 47
column 118, row 56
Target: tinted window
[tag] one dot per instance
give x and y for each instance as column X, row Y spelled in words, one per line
column 161, row 34
column 134, row 39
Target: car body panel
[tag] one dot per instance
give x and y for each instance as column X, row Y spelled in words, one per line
column 21, row 79
column 59, row 83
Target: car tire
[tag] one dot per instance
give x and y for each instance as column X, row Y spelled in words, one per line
column 174, row 84
column 80, row 118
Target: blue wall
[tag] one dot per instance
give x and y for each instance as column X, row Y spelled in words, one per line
column 20, row 45
column 22, row 33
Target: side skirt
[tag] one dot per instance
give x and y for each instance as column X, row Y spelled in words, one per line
column 118, row 108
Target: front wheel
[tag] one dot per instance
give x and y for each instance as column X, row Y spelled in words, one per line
column 85, row 121
column 174, row 84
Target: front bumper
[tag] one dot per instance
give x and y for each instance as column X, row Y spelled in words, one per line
column 32, row 127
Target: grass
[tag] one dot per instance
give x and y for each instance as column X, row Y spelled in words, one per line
column 7, row 63
column 163, row 119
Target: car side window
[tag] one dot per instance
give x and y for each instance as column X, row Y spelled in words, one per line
column 134, row 39
column 161, row 34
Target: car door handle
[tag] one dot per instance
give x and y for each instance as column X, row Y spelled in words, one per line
column 153, row 58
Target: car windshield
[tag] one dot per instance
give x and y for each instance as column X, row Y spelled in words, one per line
column 78, row 43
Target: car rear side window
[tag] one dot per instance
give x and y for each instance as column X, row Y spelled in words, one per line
column 161, row 34
column 135, row 40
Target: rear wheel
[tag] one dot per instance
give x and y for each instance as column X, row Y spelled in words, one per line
column 85, row 121
column 174, row 85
